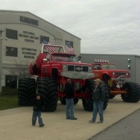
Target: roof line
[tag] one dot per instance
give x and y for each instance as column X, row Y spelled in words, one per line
column 39, row 18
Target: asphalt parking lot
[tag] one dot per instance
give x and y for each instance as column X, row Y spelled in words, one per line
column 16, row 123
column 126, row 129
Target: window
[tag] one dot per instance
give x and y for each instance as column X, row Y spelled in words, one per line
column 64, row 58
column 44, row 38
column 11, row 34
column 108, row 66
column 11, row 51
column 69, row 43
column 11, row 81
column 97, row 67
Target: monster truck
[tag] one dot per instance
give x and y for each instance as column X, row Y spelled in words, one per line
column 53, row 67
column 117, row 80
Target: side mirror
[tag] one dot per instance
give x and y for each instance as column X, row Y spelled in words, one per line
column 79, row 58
column 95, row 68
column 45, row 59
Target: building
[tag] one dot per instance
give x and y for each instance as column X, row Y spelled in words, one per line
column 125, row 62
column 21, row 36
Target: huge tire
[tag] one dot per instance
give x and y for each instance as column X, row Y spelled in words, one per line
column 138, row 86
column 63, row 100
column 88, row 103
column 88, row 88
column 107, row 90
column 76, row 100
column 111, row 96
column 47, row 87
column 26, row 91
column 133, row 93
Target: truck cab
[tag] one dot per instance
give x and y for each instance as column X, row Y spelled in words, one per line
column 105, row 70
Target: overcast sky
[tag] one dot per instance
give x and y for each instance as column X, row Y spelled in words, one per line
column 104, row 26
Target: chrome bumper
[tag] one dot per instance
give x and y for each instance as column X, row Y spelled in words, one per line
column 117, row 78
column 77, row 75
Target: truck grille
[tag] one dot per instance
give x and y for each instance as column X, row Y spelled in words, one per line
column 85, row 69
column 70, row 68
column 120, row 73
column 78, row 68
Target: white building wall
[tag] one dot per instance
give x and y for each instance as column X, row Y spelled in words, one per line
column 11, row 20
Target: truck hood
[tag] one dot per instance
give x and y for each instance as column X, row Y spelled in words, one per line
column 71, row 63
column 116, row 70
column 75, row 70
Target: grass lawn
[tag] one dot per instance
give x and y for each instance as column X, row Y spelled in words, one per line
column 7, row 102
column 8, row 99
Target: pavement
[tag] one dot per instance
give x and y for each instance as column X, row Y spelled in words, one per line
column 126, row 129
column 15, row 124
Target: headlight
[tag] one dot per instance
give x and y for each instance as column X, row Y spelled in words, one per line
column 89, row 69
column 127, row 74
column 113, row 73
column 64, row 67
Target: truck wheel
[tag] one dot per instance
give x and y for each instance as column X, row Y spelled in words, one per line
column 133, row 93
column 76, row 100
column 47, row 87
column 63, row 101
column 111, row 96
column 26, row 91
column 88, row 88
column 138, row 86
column 88, row 103
column 107, row 95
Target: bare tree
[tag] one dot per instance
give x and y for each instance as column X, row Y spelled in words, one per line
column 20, row 69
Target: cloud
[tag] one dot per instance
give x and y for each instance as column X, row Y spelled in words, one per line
column 105, row 26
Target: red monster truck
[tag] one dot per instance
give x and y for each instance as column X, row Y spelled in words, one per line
column 116, row 80
column 53, row 69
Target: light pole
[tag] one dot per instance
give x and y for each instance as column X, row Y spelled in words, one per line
column 1, row 38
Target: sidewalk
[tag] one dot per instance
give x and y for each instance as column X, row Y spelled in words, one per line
column 16, row 123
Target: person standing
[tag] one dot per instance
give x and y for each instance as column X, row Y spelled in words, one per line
column 38, row 104
column 69, row 91
column 98, row 101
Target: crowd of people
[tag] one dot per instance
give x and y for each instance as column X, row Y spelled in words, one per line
column 98, row 97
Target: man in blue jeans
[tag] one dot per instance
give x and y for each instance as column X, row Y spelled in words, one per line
column 69, row 91
column 98, row 98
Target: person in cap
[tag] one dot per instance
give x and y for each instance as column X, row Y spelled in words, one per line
column 98, row 101
column 69, row 91
column 38, row 104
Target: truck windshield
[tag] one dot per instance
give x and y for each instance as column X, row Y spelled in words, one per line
column 108, row 66
column 64, row 58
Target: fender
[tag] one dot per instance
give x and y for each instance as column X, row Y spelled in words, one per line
column 107, row 73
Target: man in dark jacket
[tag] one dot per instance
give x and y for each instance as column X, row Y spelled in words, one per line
column 98, row 98
column 38, row 103
column 69, row 91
